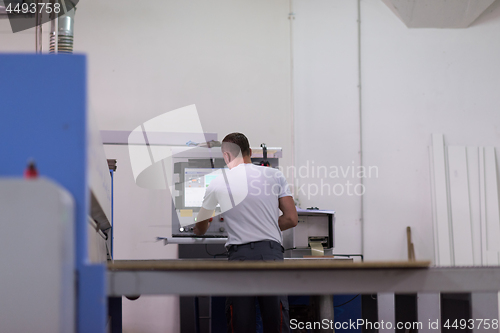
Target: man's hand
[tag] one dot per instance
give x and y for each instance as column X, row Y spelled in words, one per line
column 201, row 227
column 289, row 219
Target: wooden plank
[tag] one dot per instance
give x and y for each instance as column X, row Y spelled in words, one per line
column 460, row 206
column 482, row 196
column 206, row 264
column 492, row 211
column 475, row 202
column 304, row 281
column 441, row 189
column 408, row 243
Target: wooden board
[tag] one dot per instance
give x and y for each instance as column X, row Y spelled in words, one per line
column 288, row 264
column 460, row 206
column 444, row 249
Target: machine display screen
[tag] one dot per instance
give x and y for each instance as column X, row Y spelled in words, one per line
column 196, row 181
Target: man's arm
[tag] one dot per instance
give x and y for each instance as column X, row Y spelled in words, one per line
column 289, row 219
column 202, row 226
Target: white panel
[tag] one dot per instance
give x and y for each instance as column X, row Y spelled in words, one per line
column 475, row 202
column 37, row 289
column 492, row 210
column 482, row 193
column 386, row 310
column 460, row 209
column 442, row 214
column 434, row 211
column 429, row 311
column 492, row 258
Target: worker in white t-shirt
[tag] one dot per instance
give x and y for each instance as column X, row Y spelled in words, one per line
column 251, row 198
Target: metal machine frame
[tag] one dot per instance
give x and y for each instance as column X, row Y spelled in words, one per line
column 290, row 236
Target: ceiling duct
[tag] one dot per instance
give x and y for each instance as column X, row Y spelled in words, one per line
column 63, row 30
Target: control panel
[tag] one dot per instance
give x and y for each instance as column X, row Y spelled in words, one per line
column 192, row 177
column 193, row 170
column 217, row 227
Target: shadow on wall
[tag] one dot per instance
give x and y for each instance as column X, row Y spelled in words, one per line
column 490, row 14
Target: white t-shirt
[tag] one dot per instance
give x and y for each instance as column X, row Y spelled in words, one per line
column 248, row 196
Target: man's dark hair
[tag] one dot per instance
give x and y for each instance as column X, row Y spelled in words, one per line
column 235, row 140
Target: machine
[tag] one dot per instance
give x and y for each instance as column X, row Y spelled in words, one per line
column 54, row 129
column 193, row 170
column 313, row 236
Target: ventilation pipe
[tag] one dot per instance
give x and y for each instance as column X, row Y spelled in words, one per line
column 61, row 34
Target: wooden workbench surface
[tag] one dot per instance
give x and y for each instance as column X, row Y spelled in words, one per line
column 288, row 264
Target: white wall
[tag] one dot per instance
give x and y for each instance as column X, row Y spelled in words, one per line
column 230, row 58
column 23, row 41
column 417, row 82
column 325, row 41
column 414, row 82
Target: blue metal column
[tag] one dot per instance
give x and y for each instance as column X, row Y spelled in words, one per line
column 112, row 173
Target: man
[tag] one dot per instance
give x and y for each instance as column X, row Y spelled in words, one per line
column 250, row 198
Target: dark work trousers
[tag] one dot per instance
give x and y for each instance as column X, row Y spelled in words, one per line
column 240, row 310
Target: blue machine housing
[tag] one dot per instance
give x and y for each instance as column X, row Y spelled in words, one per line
column 44, row 119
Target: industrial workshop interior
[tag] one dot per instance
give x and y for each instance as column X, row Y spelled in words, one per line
column 215, row 166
